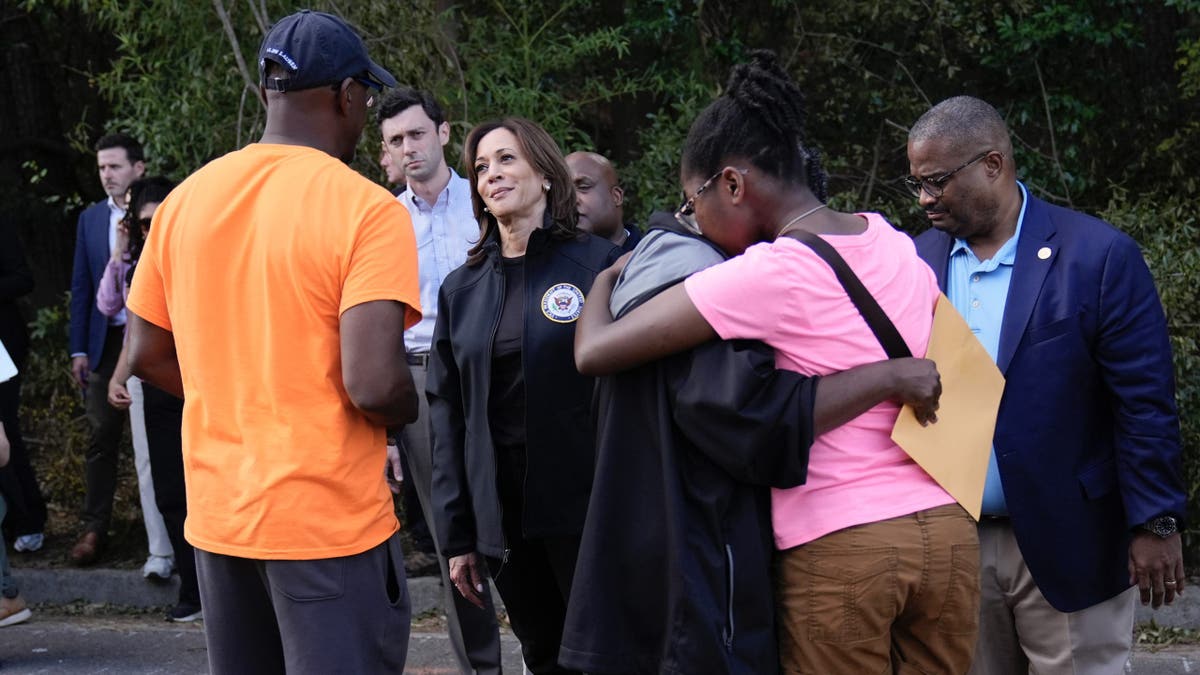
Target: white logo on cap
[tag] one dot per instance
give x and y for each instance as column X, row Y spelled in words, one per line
column 291, row 63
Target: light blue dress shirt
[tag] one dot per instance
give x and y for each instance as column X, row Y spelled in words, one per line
column 978, row 290
column 445, row 231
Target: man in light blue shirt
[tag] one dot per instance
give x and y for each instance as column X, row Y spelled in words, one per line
column 978, row 289
column 438, row 200
column 1084, row 498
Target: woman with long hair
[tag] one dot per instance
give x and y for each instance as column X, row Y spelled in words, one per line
column 512, row 443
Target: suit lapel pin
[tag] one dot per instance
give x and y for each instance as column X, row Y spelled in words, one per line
column 1044, row 253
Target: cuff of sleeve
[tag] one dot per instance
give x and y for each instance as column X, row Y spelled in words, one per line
column 462, row 550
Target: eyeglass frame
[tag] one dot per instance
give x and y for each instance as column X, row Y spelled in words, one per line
column 365, row 81
column 686, row 213
column 928, row 185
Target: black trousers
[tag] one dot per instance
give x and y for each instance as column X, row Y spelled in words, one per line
column 332, row 615
column 164, row 423
column 18, row 482
column 107, row 423
column 535, row 584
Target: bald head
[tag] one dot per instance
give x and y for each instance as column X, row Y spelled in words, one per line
column 963, row 123
column 599, row 197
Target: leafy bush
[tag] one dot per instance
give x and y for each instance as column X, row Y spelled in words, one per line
column 55, row 429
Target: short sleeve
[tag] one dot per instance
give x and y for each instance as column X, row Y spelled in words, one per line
column 147, row 294
column 743, row 298
column 381, row 263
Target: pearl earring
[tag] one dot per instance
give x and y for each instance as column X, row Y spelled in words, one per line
column 545, row 187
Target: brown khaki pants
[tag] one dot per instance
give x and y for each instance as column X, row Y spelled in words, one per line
column 897, row 596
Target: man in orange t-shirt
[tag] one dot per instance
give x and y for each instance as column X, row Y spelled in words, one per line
column 273, row 294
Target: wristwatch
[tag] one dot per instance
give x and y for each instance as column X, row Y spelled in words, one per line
column 1163, row 526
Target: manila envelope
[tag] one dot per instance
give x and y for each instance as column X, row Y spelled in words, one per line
column 955, row 449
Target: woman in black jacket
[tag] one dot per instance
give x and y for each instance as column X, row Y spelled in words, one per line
column 513, row 447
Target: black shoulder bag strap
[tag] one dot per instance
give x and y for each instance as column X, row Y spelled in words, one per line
column 883, row 328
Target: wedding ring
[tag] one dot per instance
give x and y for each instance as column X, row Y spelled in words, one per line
column 1169, row 582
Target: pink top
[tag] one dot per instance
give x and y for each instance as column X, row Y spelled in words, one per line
column 111, row 294
column 784, row 295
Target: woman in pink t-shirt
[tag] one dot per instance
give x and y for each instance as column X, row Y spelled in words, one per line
column 878, row 566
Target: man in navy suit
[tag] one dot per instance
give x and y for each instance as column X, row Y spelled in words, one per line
column 1084, row 496
column 95, row 339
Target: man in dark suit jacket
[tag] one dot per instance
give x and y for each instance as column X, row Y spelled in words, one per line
column 26, row 518
column 95, row 339
column 1084, row 494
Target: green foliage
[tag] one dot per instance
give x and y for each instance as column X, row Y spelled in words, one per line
column 52, row 416
column 56, row 431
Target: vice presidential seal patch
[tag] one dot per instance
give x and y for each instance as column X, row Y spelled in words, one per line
column 562, row 303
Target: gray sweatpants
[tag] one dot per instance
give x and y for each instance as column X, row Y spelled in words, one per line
column 333, row 615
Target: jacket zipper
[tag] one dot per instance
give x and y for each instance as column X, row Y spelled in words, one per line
column 729, row 628
column 496, row 268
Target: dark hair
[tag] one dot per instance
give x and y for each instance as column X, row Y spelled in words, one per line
column 963, row 122
column 133, row 149
column 143, row 191
column 397, row 100
column 760, row 116
column 543, row 154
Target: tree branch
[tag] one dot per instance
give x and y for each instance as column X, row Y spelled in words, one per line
column 1062, row 175
column 223, row 14
column 259, row 10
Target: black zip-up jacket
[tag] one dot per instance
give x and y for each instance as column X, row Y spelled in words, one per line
column 560, row 444
column 674, row 568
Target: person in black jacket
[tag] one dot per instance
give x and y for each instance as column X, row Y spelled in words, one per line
column 686, row 449
column 513, row 449
column 18, row 482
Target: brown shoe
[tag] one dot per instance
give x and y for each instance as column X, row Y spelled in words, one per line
column 13, row 611
column 86, row 550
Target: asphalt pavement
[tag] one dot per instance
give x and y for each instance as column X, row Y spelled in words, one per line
column 111, row 621
column 145, row 645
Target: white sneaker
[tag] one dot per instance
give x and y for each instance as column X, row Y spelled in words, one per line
column 158, row 566
column 28, row 543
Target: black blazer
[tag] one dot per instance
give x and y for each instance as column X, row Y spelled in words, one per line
column 559, row 440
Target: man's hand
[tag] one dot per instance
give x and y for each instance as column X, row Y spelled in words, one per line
column 118, row 395
column 466, row 573
column 917, row 383
column 79, row 370
column 393, row 472
column 1156, row 566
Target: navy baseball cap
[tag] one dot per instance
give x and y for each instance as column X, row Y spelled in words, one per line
column 316, row 49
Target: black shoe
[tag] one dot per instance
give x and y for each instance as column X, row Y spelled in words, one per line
column 184, row 613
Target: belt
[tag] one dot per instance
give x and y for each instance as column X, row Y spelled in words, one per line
column 421, row 359
column 989, row 519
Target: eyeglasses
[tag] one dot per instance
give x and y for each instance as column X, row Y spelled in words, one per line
column 934, row 187
column 686, row 213
column 365, row 80
column 372, row 88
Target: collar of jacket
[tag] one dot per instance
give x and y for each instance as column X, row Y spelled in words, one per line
column 537, row 241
